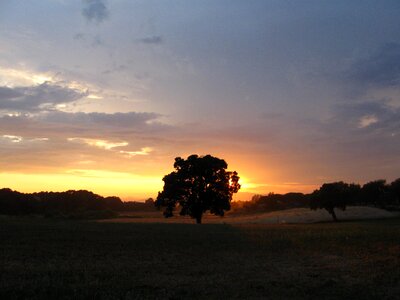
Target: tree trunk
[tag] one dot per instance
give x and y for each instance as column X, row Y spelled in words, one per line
column 198, row 219
column 332, row 212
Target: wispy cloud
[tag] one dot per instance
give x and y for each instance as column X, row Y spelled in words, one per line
column 143, row 151
column 20, row 139
column 365, row 114
column 12, row 138
column 366, row 121
column 103, row 144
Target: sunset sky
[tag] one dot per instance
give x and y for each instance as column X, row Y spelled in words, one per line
column 103, row 95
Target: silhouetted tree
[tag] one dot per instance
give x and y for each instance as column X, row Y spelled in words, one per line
column 353, row 194
column 198, row 184
column 395, row 191
column 333, row 195
column 375, row 192
column 113, row 203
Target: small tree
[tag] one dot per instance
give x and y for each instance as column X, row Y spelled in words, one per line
column 334, row 195
column 198, row 184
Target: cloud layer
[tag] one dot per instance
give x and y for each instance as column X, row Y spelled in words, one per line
column 45, row 96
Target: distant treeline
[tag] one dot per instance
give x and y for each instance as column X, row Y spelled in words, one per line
column 376, row 193
column 71, row 203
column 85, row 204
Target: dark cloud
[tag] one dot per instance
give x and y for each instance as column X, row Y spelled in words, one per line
column 8, row 93
column 95, row 10
column 35, row 98
column 381, row 69
column 156, row 39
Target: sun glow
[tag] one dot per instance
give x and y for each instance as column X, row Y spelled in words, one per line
column 245, row 184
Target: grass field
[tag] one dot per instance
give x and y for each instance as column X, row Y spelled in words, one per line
column 50, row 259
column 294, row 215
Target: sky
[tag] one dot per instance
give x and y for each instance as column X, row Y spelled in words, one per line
column 104, row 94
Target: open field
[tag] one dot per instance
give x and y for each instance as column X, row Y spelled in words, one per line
column 88, row 260
column 296, row 215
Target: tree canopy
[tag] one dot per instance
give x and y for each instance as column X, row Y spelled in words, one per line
column 198, row 184
column 334, row 195
column 375, row 192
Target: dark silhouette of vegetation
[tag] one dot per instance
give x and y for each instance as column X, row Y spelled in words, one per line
column 71, row 204
column 395, row 191
column 199, row 184
column 148, row 205
column 375, row 193
column 271, row 202
column 330, row 196
column 334, row 195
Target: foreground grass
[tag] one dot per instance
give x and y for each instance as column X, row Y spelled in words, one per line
column 80, row 260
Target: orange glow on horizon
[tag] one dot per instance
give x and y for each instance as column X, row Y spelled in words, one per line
column 138, row 187
column 124, row 185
